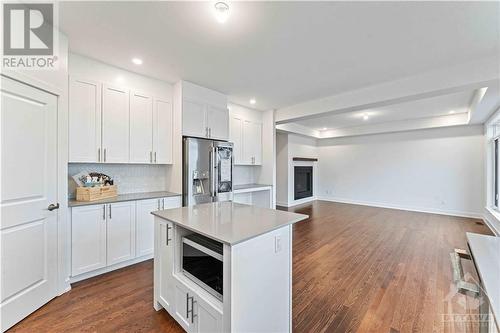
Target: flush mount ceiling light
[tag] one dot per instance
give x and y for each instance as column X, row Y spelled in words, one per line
column 137, row 61
column 365, row 116
column 452, row 112
column 324, row 129
column 253, row 101
column 221, row 11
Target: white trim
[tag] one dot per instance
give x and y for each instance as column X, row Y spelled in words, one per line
column 253, row 189
column 103, row 270
column 296, row 202
column 408, row 208
column 492, row 220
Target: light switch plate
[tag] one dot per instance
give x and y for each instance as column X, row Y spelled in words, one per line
column 277, row 244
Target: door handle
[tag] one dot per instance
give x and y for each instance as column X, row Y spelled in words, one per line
column 53, row 207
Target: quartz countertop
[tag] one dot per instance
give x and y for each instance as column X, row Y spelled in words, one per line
column 485, row 251
column 244, row 187
column 124, row 197
column 229, row 222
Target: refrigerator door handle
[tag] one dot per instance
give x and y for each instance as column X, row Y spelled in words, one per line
column 213, row 174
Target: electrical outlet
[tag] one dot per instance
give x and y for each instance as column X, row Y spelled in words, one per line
column 277, row 244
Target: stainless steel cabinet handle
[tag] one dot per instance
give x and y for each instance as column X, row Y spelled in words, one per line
column 155, row 157
column 209, row 132
column 158, row 204
column 150, row 157
column 53, row 207
column 104, row 154
column 192, row 310
column 168, row 234
column 98, row 154
column 162, row 203
column 187, row 307
column 104, row 212
column 206, row 132
column 110, row 211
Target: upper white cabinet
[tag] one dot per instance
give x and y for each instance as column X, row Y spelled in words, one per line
column 141, row 128
column 204, row 112
column 110, row 124
column 246, row 135
column 115, row 124
column 162, row 131
column 84, row 120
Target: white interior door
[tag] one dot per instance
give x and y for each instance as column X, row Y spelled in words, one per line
column 218, row 122
column 84, row 120
column 162, row 132
column 115, row 124
column 141, row 128
column 28, row 186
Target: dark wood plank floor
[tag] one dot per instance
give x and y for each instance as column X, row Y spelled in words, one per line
column 355, row 268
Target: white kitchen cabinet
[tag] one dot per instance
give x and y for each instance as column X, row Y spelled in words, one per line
column 162, row 131
column 141, row 128
column 88, row 238
column 194, row 119
column 235, row 136
column 115, row 124
column 183, row 311
column 120, row 233
column 145, row 226
column 166, row 290
column 246, row 136
column 217, row 122
column 206, row 317
column 84, row 120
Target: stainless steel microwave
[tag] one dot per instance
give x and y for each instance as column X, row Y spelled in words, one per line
column 202, row 262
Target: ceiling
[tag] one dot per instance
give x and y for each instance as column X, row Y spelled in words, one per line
column 443, row 105
column 283, row 53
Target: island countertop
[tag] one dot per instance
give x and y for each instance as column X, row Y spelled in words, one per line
column 229, row 222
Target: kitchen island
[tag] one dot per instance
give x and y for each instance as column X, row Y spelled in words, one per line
column 225, row 267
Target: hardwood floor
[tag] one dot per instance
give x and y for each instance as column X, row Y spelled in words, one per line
column 355, row 268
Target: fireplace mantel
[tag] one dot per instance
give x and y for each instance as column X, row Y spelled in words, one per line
column 305, row 159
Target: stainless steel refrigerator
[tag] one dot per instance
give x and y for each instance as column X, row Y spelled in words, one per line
column 207, row 171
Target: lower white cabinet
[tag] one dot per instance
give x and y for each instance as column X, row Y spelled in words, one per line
column 88, row 238
column 193, row 313
column 120, row 233
column 166, row 264
column 109, row 234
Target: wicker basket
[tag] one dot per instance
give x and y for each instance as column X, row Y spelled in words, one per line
column 96, row 193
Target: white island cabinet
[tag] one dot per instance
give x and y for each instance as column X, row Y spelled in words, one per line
column 254, row 248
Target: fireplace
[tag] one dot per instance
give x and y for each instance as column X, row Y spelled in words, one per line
column 303, row 182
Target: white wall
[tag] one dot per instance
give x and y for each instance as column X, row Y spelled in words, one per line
column 281, row 168
column 435, row 170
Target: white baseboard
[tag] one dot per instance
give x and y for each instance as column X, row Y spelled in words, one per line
column 295, row 202
column 409, row 208
column 103, row 270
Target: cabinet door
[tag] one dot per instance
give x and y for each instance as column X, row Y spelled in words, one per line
column 162, row 132
column 193, row 119
column 252, row 143
column 206, row 317
column 171, row 202
column 166, row 263
column 84, row 120
column 88, row 238
column 120, row 235
column 183, row 304
column 145, row 226
column 218, row 122
column 141, row 128
column 115, row 124
column 235, row 136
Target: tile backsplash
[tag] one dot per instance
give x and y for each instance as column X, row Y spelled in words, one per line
column 130, row 178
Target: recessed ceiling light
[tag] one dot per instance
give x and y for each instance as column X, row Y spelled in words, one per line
column 324, row 129
column 137, row 61
column 365, row 116
column 253, row 101
column 221, row 11
column 452, row 112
